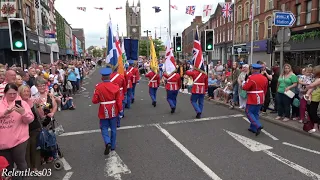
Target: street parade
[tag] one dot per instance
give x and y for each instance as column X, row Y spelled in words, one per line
column 159, row 90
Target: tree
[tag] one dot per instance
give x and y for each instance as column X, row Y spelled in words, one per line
column 97, row 52
column 158, row 45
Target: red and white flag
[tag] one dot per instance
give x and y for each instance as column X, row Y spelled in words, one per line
column 174, row 7
column 170, row 63
column 207, row 10
column 82, row 9
column 99, row 8
column 198, row 62
column 118, row 8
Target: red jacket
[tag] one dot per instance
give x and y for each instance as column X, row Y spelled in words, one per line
column 154, row 79
column 256, row 87
column 135, row 73
column 173, row 81
column 200, row 81
column 108, row 95
column 129, row 77
column 121, row 81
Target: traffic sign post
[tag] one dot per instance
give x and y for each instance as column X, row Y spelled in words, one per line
column 283, row 19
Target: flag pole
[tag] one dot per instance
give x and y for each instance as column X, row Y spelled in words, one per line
column 170, row 19
column 234, row 32
column 252, row 31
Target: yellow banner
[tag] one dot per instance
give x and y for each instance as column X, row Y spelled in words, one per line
column 154, row 61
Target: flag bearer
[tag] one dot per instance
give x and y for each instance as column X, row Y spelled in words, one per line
column 172, row 86
column 108, row 95
column 256, row 87
column 136, row 77
column 154, row 82
column 129, row 78
column 199, row 88
column 120, row 80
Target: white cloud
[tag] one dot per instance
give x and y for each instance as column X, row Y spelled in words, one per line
column 95, row 21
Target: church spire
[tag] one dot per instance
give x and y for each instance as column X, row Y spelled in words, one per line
column 127, row 3
column 133, row 3
column 138, row 3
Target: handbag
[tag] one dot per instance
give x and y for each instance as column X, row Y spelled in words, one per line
column 243, row 94
column 296, row 102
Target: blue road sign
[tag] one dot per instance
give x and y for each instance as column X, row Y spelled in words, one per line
column 284, row 19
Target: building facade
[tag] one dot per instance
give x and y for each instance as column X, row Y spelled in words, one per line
column 79, row 33
column 68, row 38
column 133, row 19
column 61, row 35
column 263, row 29
column 223, row 35
column 188, row 36
column 305, row 34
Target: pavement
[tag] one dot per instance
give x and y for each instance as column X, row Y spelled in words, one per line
column 153, row 144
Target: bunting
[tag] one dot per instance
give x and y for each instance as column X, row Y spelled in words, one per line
column 156, row 9
column 82, row 9
column 207, row 10
column 99, row 8
column 174, row 7
column 190, row 10
column 118, row 8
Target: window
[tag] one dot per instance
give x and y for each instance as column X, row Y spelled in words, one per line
column 231, row 34
column 319, row 10
column 239, row 35
column 247, row 10
column 246, row 32
column 239, row 14
column 220, row 20
column 270, row 4
column 224, row 36
column 217, row 23
column 269, row 27
column 228, row 35
column 28, row 15
column 257, row 9
column 220, row 36
column 256, row 31
column 308, row 15
column 298, row 17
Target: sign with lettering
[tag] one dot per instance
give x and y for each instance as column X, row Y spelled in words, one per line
column 284, row 19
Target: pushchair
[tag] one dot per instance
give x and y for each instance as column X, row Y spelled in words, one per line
column 47, row 144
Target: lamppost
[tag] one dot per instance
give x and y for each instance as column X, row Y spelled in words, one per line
column 147, row 31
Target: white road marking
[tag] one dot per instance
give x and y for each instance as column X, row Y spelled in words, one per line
column 85, row 83
column 197, row 161
column 302, row 148
column 147, row 125
column 66, row 165
column 255, row 146
column 67, row 176
column 264, row 131
column 293, row 165
column 115, row 166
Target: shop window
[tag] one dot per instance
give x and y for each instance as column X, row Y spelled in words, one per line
column 239, row 35
column 224, row 36
column 308, row 14
column 298, row 17
column 247, row 10
column 239, row 13
column 269, row 4
column 28, row 15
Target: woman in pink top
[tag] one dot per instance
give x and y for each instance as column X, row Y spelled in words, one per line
column 14, row 127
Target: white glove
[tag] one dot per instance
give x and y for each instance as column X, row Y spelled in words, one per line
column 243, row 82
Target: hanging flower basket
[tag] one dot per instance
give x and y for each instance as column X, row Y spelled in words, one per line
column 9, row 9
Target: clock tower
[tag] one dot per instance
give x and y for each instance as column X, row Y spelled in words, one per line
column 133, row 18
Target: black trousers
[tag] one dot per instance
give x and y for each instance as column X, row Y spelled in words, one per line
column 312, row 109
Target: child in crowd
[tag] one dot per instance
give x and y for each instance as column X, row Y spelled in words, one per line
column 227, row 92
column 67, row 102
column 305, row 79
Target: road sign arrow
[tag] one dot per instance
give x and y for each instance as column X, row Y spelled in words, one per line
column 293, row 19
column 254, row 146
column 115, row 166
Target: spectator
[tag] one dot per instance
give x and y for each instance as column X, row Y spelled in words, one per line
column 242, row 93
column 268, row 74
column 235, row 72
column 19, row 81
column 304, row 80
column 286, row 84
column 67, row 102
column 14, row 136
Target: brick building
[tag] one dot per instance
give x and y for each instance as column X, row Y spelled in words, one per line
column 188, row 36
column 305, row 34
column 223, row 34
column 262, row 29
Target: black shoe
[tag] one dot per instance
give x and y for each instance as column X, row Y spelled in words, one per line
column 258, row 131
column 126, row 106
column 107, row 150
column 154, row 104
column 173, row 110
column 132, row 101
column 198, row 115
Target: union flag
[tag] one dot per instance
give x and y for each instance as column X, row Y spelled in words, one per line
column 197, row 53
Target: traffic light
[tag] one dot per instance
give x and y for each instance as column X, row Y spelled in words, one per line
column 17, row 34
column 269, row 45
column 178, row 44
column 209, row 40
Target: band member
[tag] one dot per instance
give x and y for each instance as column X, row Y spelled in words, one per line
column 154, row 82
column 129, row 77
column 199, row 88
column 108, row 95
column 136, row 77
column 172, row 86
column 256, row 87
column 120, row 80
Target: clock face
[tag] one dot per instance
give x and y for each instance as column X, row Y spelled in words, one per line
column 134, row 30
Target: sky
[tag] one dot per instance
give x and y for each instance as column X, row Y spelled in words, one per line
column 94, row 22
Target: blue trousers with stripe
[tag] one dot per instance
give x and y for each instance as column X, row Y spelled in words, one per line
column 252, row 112
column 172, row 98
column 105, row 124
column 129, row 95
column 197, row 102
column 133, row 90
column 153, row 94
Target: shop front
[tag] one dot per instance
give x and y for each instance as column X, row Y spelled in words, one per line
column 70, row 54
column 62, row 54
column 259, row 51
column 45, row 51
column 54, row 52
column 33, row 47
column 240, row 51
